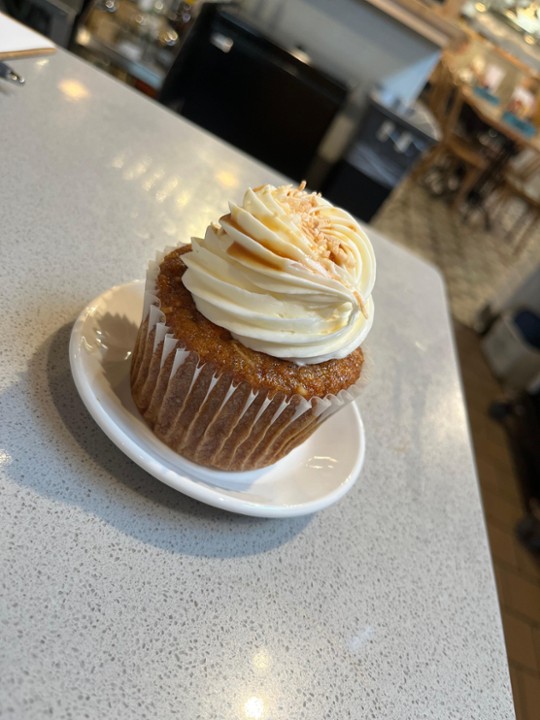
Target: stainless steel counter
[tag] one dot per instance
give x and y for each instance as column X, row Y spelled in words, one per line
column 121, row 598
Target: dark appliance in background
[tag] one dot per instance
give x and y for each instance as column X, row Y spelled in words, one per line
column 386, row 149
column 57, row 19
column 238, row 84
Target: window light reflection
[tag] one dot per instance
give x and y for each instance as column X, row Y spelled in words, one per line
column 119, row 161
column 227, row 179
column 261, row 660
column 150, row 182
column 254, row 708
column 321, row 462
column 136, row 170
column 5, row 458
column 166, row 190
column 73, row 89
column 183, row 198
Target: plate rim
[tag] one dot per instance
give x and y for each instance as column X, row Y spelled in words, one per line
column 193, row 487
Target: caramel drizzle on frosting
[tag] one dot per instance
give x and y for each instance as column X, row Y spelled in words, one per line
column 328, row 249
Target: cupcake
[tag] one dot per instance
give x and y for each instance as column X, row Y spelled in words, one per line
column 251, row 336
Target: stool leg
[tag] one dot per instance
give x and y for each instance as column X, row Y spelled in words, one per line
column 469, row 181
column 535, row 215
column 428, row 159
column 499, row 199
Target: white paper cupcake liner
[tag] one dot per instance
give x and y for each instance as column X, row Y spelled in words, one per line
column 200, row 412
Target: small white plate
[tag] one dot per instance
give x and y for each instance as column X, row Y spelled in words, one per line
column 311, row 477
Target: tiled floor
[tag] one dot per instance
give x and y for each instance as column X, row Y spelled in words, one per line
column 475, row 262
column 516, row 571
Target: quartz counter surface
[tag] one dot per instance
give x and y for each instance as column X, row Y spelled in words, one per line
column 121, row 598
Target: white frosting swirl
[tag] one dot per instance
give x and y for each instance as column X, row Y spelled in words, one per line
column 287, row 273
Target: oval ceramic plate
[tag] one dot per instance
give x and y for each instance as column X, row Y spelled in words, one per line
column 311, row 477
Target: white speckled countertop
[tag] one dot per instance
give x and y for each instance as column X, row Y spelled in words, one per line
column 121, row 598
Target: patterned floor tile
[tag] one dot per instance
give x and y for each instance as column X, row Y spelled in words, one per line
column 475, row 262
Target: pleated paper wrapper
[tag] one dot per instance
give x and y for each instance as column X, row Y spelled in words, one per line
column 198, row 410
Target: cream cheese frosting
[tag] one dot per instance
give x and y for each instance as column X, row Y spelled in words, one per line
column 287, row 273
